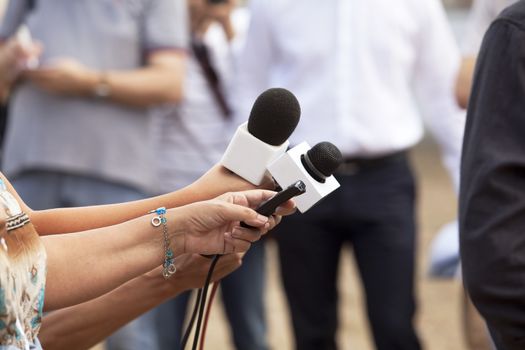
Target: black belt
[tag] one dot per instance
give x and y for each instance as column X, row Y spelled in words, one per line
column 352, row 165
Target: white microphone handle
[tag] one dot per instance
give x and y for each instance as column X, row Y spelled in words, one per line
column 248, row 157
column 288, row 168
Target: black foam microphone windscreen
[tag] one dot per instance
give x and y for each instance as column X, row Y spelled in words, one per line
column 322, row 160
column 274, row 116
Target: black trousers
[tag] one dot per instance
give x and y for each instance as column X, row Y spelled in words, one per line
column 373, row 210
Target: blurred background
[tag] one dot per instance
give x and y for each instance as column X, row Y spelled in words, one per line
column 440, row 301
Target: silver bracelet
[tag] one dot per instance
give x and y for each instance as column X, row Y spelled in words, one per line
column 169, row 267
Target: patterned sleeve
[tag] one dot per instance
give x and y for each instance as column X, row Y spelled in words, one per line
column 165, row 25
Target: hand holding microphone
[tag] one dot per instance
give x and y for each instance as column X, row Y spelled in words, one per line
column 259, row 146
column 312, row 169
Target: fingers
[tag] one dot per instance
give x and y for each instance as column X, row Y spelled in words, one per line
column 246, row 234
column 234, row 212
column 287, row 208
column 254, row 198
column 240, row 239
column 274, row 221
column 250, row 198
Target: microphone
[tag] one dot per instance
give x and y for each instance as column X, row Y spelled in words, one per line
column 313, row 166
column 261, row 140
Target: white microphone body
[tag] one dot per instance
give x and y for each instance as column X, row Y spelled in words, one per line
column 288, row 168
column 248, row 157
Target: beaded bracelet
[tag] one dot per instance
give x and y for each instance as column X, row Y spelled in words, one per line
column 169, row 267
column 16, row 218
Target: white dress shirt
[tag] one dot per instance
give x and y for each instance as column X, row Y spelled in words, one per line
column 355, row 67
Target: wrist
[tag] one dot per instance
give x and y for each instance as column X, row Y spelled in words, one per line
column 163, row 289
column 177, row 235
column 99, row 85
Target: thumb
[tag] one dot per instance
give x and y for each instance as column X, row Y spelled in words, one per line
column 235, row 212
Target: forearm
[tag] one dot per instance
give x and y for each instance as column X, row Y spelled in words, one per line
column 82, row 326
column 142, row 87
column 85, row 265
column 214, row 183
column 159, row 81
column 464, row 81
column 63, row 220
column 146, row 87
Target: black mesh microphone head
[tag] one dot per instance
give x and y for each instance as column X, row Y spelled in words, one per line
column 325, row 158
column 274, row 116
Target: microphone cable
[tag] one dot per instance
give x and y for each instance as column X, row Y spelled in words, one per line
column 192, row 320
column 200, row 304
column 266, row 208
column 214, row 289
column 203, row 301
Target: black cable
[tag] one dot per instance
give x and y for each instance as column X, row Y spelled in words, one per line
column 266, row 208
column 192, row 320
column 203, row 301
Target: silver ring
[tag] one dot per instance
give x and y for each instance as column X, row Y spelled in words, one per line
column 156, row 221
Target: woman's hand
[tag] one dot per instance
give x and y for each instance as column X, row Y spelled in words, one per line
column 192, row 270
column 287, row 208
column 213, row 227
column 221, row 180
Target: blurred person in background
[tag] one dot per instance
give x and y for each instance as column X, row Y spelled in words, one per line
column 491, row 196
column 481, row 15
column 14, row 55
column 77, row 120
column 190, row 137
column 357, row 68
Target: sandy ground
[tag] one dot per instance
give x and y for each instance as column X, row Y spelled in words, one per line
column 439, row 316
